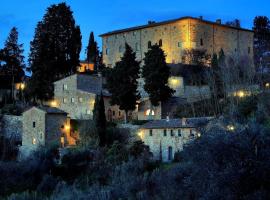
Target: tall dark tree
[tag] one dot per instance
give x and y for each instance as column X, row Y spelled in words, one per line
column 92, row 52
column 54, row 51
column 13, row 58
column 100, row 119
column 156, row 74
column 122, row 82
column 261, row 28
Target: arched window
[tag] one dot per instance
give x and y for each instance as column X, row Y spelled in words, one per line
column 160, row 42
column 149, row 44
column 149, row 112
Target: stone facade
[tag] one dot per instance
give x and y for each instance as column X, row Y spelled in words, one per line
column 76, row 95
column 165, row 140
column 42, row 127
column 12, row 127
column 176, row 36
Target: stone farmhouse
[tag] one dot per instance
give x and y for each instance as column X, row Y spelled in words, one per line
column 76, row 95
column 43, row 126
column 168, row 136
column 176, row 36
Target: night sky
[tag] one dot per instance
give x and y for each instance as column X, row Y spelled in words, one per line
column 102, row 16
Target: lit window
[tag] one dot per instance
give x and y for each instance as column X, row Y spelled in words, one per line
column 34, row 141
column 80, row 99
column 65, row 87
column 72, row 100
column 149, row 112
column 150, row 132
column 164, row 132
column 179, row 133
column 172, row 134
column 34, row 124
column 64, row 100
column 160, row 43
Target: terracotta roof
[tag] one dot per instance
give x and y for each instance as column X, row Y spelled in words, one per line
column 168, row 22
column 176, row 123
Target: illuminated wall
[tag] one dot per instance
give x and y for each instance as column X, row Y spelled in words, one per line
column 178, row 36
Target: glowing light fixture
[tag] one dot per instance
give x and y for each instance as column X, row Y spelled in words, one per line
column 53, row 103
column 149, row 112
column 230, row 128
column 67, row 127
column 267, row 85
column 22, row 86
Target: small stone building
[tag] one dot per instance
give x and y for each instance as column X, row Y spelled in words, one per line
column 43, row 126
column 167, row 136
column 76, row 95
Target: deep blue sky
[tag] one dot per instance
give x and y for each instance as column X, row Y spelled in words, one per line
column 105, row 15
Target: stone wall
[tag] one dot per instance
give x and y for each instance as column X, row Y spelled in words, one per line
column 158, row 142
column 12, row 127
column 178, row 36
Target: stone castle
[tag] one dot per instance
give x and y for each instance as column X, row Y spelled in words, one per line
column 176, row 36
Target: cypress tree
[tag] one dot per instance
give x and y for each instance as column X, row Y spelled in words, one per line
column 12, row 55
column 156, row 74
column 100, row 119
column 122, row 81
column 54, row 51
column 92, row 52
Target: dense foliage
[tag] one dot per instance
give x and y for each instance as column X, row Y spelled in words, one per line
column 156, row 72
column 122, row 81
column 54, row 51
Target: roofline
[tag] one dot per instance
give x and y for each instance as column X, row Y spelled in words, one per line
column 168, row 22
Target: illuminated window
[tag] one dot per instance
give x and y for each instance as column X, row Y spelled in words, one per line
column 34, row 141
column 65, row 87
column 160, row 43
column 34, row 124
column 80, row 99
column 149, row 112
column 179, row 133
column 172, row 133
column 149, row 44
column 150, row 132
column 164, row 132
column 64, row 100
column 72, row 100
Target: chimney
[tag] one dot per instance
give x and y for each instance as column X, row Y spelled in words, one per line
column 201, row 17
column 218, row 21
column 167, row 118
column 151, row 22
column 184, row 121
